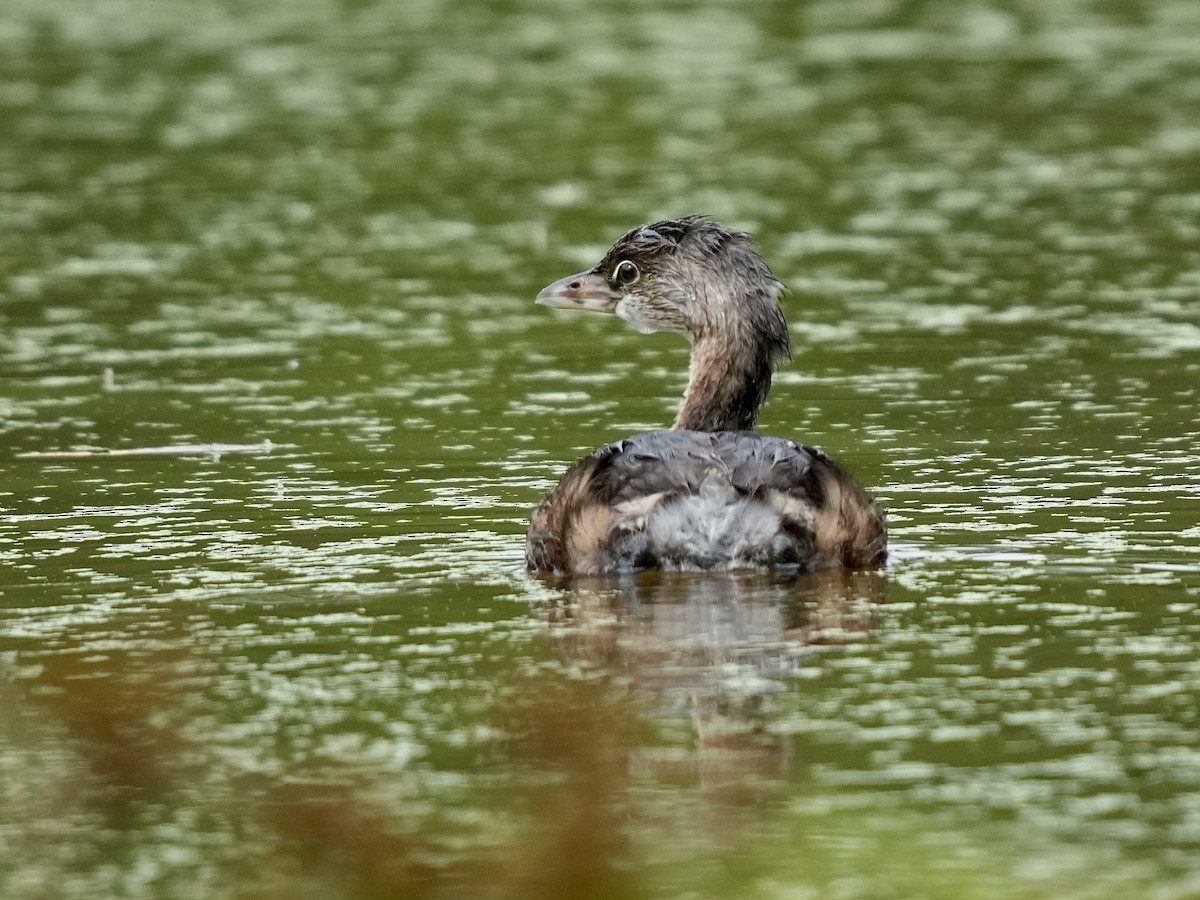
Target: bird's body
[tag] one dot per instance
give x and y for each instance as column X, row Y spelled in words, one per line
column 710, row 493
column 704, row 500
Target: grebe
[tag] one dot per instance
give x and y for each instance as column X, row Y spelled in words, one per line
column 710, row 493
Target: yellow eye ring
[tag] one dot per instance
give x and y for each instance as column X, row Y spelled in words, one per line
column 626, row 272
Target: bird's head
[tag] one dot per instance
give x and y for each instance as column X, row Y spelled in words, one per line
column 691, row 276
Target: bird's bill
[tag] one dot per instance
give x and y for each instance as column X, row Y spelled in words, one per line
column 587, row 290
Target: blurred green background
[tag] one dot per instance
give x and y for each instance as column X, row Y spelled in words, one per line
column 314, row 667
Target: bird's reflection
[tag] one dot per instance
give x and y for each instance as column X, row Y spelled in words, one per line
column 715, row 649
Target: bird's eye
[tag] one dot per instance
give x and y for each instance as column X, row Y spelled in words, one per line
column 626, row 272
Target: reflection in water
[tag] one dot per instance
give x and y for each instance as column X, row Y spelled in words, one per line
column 715, row 647
column 121, row 757
column 114, row 783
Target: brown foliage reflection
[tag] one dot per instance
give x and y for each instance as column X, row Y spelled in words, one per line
column 578, row 775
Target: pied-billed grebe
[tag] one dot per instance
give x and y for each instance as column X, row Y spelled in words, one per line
column 710, row 493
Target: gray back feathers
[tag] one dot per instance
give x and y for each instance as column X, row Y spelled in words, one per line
column 698, row 500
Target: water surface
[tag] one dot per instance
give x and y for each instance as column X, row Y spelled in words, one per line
column 311, row 665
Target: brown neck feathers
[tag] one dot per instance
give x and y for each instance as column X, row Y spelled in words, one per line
column 727, row 383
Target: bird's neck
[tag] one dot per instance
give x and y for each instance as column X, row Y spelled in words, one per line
column 728, row 381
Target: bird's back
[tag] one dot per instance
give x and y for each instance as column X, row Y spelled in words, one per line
column 705, row 500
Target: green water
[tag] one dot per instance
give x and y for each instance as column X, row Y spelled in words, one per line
column 314, row 666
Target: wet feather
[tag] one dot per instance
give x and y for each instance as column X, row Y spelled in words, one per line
column 710, row 493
